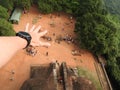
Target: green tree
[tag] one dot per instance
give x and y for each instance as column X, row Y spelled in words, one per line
column 3, row 13
column 95, row 31
column 9, row 4
column 6, row 28
column 25, row 4
column 70, row 6
column 113, row 62
column 48, row 6
column 45, row 6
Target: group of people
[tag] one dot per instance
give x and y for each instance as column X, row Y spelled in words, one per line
column 31, row 51
column 68, row 38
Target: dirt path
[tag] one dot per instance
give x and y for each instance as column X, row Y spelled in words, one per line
column 18, row 68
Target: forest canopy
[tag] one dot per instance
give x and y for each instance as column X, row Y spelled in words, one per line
column 6, row 28
column 3, row 13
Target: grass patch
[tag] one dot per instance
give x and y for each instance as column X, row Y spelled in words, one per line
column 89, row 75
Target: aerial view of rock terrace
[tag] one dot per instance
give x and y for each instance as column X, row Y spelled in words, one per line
column 59, row 45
